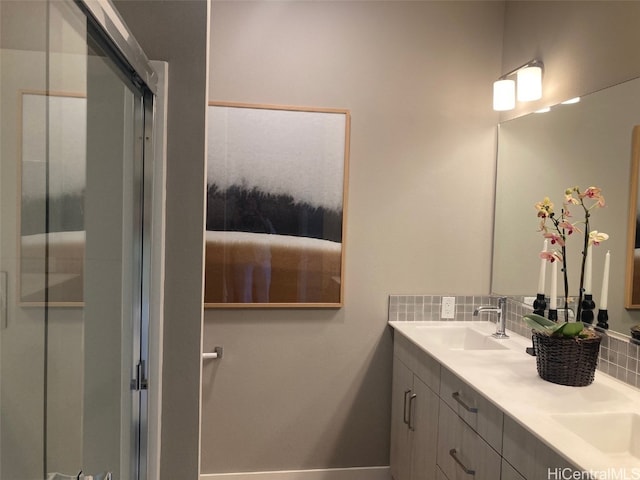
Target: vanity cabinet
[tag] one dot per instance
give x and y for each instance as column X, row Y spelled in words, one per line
column 443, row 429
column 414, row 410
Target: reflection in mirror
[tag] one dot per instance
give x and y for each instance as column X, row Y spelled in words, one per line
column 541, row 154
column 632, row 283
column 53, row 181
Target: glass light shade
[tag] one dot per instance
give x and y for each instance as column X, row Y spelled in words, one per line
column 504, row 95
column 529, row 84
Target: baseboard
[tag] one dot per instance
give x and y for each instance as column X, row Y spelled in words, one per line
column 356, row 473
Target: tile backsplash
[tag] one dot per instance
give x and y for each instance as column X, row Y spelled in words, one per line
column 618, row 354
column 424, row 308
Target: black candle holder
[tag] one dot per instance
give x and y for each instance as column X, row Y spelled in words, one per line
column 553, row 315
column 539, row 304
column 603, row 319
column 586, row 315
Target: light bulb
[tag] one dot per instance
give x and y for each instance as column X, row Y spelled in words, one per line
column 529, row 84
column 504, row 95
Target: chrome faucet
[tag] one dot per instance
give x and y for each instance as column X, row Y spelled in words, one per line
column 502, row 317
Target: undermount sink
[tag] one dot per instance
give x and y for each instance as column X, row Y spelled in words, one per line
column 615, row 434
column 460, row 338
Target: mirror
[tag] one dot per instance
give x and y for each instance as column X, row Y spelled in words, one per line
column 632, row 281
column 541, row 154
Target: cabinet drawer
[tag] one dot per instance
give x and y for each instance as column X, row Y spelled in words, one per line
column 462, row 454
column 529, row 455
column 423, row 365
column 478, row 412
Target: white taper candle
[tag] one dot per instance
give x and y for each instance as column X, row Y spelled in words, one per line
column 543, row 269
column 605, row 282
column 588, row 271
column 554, row 286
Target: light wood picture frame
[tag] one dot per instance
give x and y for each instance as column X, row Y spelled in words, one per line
column 276, row 206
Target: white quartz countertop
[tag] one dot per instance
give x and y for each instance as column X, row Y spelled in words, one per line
column 508, row 378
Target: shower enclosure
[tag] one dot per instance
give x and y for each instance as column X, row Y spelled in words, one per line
column 76, row 189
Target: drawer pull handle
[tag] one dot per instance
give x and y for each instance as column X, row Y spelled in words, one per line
column 405, row 419
column 411, row 399
column 466, row 470
column 456, row 397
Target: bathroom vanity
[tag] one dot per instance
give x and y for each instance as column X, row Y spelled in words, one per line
column 466, row 405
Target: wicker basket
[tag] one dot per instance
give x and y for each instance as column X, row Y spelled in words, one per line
column 566, row 361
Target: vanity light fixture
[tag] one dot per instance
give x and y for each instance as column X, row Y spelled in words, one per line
column 526, row 88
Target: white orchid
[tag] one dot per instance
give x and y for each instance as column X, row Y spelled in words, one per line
column 561, row 227
column 596, row 237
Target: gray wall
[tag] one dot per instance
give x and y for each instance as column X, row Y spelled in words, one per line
column 176, row 31
column 300, row 389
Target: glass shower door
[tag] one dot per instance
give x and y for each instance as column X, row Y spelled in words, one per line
column 112, row 267
column 71, row 250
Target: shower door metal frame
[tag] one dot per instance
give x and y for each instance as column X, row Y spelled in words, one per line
column 129, row 56
column 105, row 15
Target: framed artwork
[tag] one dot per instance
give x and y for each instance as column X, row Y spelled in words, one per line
column 276, row 203
column 51, row 214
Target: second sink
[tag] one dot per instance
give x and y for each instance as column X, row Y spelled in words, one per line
column 615, row 433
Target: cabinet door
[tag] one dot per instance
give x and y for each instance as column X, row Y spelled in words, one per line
column 424, row 431
column 401, row 390
column 530, row 456
column 462, row 453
